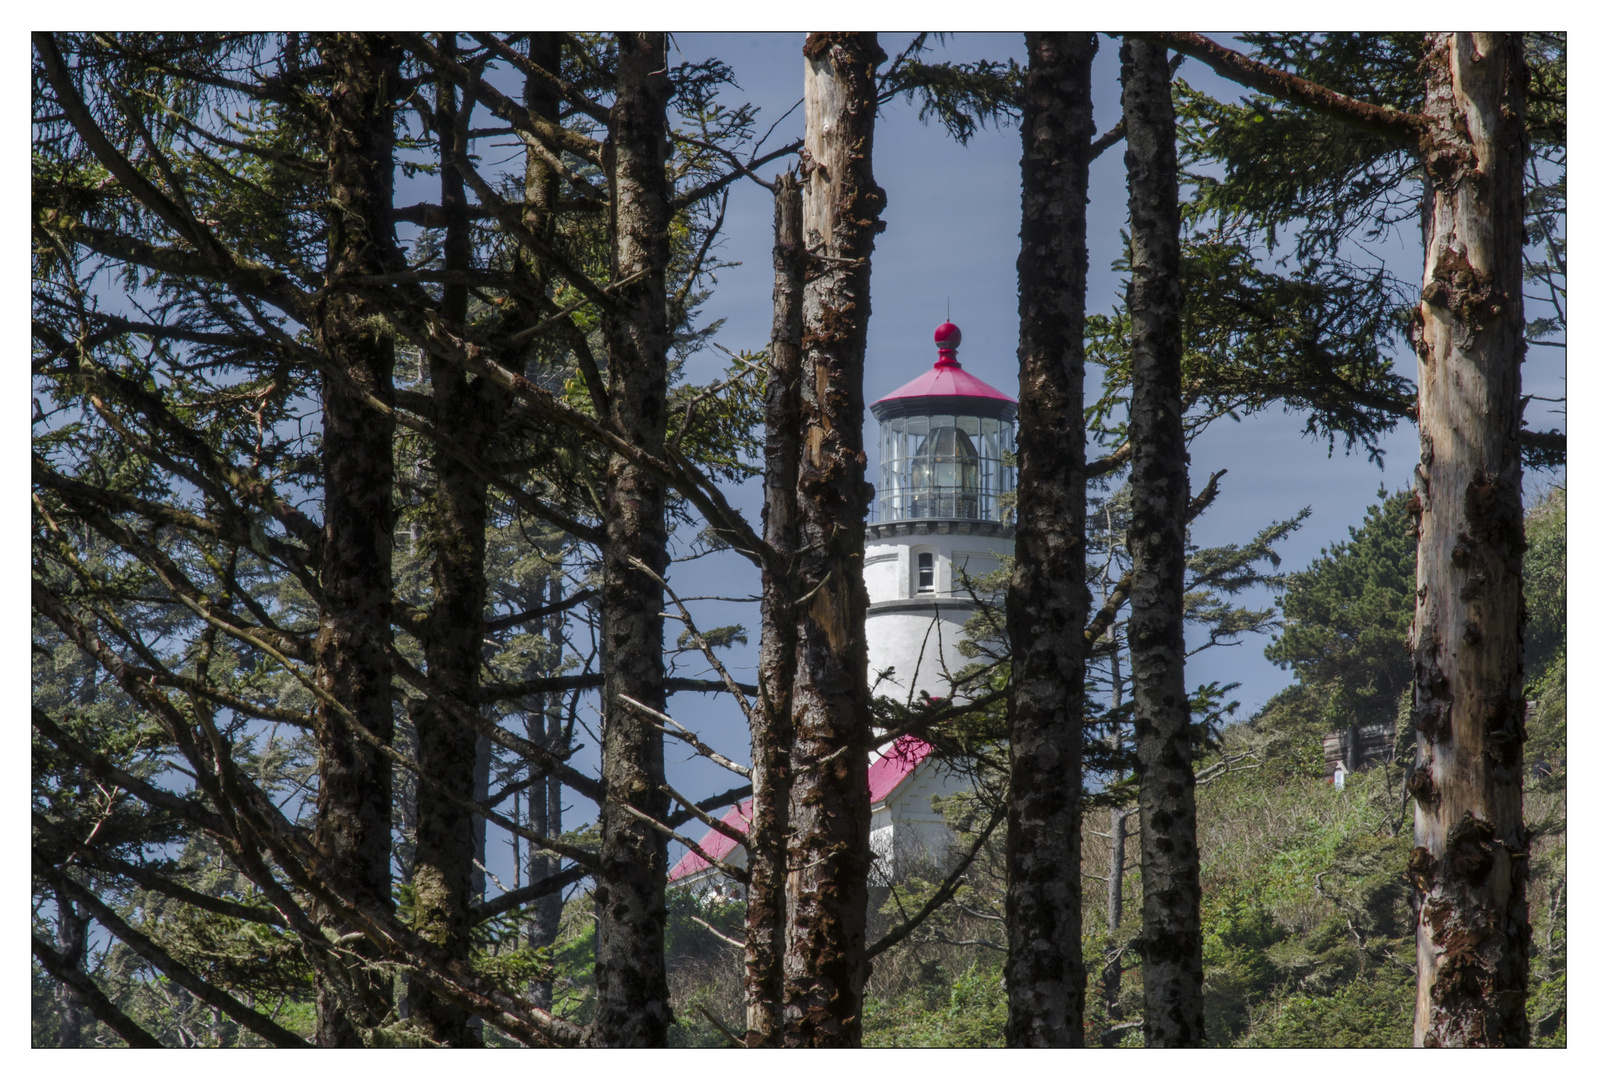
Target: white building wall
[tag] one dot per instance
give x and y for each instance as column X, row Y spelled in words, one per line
column 907, row 832
column 917, row 633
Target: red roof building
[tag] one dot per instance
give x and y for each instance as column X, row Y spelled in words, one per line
column 895, row 780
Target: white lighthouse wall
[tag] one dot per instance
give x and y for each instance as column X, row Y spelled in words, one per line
column 922, row 647
column 907, row 629
column 891, row 560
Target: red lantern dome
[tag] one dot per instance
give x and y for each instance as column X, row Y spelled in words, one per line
column 944, row 442
column 947, row 379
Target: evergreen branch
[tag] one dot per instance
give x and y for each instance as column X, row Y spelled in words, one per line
column 568, row 91
column 711, row 187
column 546, row 132
column 103, row 1008
column 102, row 767
column 507, row 622
column 737, row 873
column 944, row 894
column 715, row 802
column 1123, row 588
column 1407, row 128
column 146, row 878
column 691, row 739
column 510, row 901
column 243, row 1015
column 704, row 648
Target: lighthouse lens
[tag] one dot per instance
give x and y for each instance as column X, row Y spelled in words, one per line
column 946, row 478
column 943, row 466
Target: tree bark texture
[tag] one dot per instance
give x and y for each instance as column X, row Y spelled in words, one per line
column 1048, row 602
column 541, row 186
column 630, row 896
column 447, row 749
column 1469, row 864
column 765, row 922
column 1113, row 966
column 352, row 809
column 72, row 935
column 829, row 855
column 1172, row 942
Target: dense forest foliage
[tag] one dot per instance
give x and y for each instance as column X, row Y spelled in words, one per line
column 363, row 454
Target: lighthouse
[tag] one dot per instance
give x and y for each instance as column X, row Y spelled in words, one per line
column 940, row 519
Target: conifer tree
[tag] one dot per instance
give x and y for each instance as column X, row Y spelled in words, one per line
column 1048, row 602
column 829, row 853
column 1469, row 867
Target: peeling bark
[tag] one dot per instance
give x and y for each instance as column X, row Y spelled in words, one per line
column 1172, row 941
column 1048, row 600
column 630, row 895
column 352, row 808
column 767, row 845
column 1469, row 865
column 829, row 855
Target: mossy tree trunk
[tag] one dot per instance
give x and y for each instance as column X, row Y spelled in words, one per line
column 630, row 895
column 352, row 808
column 447, row 748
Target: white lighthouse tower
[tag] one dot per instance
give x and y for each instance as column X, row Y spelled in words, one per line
column 941, row 462
column 945, row 438
column 941, row 459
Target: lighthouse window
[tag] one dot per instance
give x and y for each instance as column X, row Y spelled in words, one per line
column 943, row 465
column 924, row 572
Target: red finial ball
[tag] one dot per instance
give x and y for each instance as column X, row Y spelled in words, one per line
column 946, row 336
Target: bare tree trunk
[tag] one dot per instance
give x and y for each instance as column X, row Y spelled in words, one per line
column 352, row 808
column 630, row 895
column 1172, row 942
column 447, row 749
column 1469, row 865
column 1048, row 601
column 765, row 923
column 829, row 855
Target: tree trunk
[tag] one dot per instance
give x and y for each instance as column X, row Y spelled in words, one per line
column 1469, row 864
column 72, row 937
column 1115, row 886
column 764, row 938
column 541, row 186
column 543, row 803
column 1048, row 601
column 447, row 749
column 352, row 808
column 1172, row 971
column 829, row 855
column 630, row 896
column 1113, row 966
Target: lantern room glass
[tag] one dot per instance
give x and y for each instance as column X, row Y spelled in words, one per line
column 944, row 465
